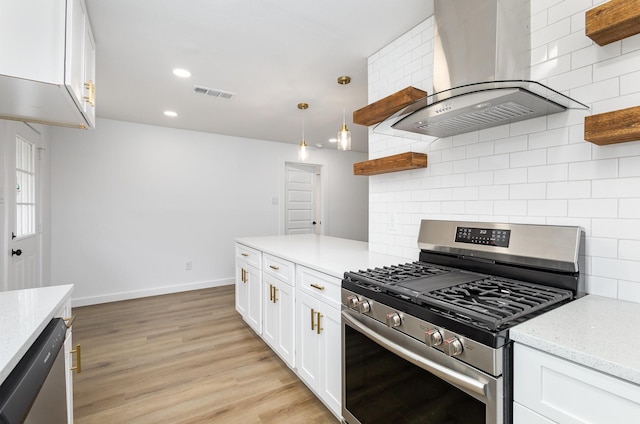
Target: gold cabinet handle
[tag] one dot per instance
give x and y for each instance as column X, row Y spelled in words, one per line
column 275, row 290
column 316, row 286
column 244, row 275
column 274, row 267
column 319, row 327
column 313, row 319
column 78, row 366
column 245, row 254
column 270, row 292
column 69, row 321
column 91, row 98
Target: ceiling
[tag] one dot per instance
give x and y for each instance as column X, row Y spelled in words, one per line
column 273, row 54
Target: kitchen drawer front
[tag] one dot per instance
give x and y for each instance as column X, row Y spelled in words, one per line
column 281, row 268
column 249, row 255
column 567, row 392
column 319, row 285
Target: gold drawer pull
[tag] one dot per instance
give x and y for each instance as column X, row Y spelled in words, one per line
column 319, row 327
column 316, row 286
column 78, row 366
column 313, row 319
column 69, row 321
column 274, row 267
column 245, row 254
column 275, row 290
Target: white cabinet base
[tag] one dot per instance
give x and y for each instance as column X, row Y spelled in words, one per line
column 566, row 392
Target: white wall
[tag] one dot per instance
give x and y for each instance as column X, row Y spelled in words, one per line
column 131, row 203
column 535, row 171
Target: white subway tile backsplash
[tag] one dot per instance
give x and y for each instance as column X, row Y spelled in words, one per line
column 549, row 173
column 629, row 290
column 630, row 167
column 535, row 171
column 595, row 208
column 570, row 153
column 569, row 190
column 629, row 208
column 494, row 162
column 593, row 170
column 616, row 188
column 630, row 250
column 600, row 286
column 549, row 138
column 527, row 191
column 510, row 176
column 528, row 126
column 616, row 64
column 528, row 158
column 602, row 247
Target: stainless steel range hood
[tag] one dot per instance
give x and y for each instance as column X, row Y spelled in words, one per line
column 481, row 71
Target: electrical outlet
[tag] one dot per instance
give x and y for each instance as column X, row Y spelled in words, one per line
column 188, row 265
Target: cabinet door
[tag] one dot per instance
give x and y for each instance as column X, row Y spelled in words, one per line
column 331, row 358
column 254, row 298
column 75, row 51
column 279, row 314
column 242, row 290
column 89, row 85
column 307, row 340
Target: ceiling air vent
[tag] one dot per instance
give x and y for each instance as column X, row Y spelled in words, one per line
column 213, row 92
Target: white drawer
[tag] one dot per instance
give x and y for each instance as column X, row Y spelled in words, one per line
column 319, row 285
column 284, row 270
column 249, row 255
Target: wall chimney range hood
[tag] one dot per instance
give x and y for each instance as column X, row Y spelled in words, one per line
column 481, row 72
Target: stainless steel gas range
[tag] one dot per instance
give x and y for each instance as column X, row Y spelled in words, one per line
column 428, row 341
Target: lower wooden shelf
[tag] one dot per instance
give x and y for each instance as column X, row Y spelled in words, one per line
column 401, row 162
column 613, row 127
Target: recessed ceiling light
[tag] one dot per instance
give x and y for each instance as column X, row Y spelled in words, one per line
column 182, row 73
column 333, row 140
column 319, row 146
column 170, row 113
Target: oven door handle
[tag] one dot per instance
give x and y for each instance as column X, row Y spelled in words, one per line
column 464, row 382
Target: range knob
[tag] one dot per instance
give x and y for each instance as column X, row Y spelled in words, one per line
column 433, row 337
column 393, row 320
column 453, row 346
column 364, row 307
column 353, row 302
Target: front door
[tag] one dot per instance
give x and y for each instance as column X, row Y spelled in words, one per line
column 23, row 206
column 302, row 187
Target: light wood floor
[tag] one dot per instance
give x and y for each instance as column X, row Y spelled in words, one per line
column 183, row 358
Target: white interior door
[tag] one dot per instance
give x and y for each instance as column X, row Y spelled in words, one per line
column 23, row 206
column 303, row 205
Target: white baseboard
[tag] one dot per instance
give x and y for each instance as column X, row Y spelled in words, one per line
column 115, row 297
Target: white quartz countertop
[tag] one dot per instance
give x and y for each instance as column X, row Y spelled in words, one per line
column 23, row 316
column 331, row 255
column 597, row 332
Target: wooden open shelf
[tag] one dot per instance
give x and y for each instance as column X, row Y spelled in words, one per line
column 613, row 21
column 613, row 127
column 378, row 111
column 401, row 162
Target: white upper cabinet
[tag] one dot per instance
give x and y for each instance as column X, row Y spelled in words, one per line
column 47, row 62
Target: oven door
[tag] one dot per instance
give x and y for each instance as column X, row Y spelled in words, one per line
column 389, row 377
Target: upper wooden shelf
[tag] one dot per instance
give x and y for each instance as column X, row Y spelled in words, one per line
column 613, row 127
column 401, row 162
column 378, row 111
column 613, row 21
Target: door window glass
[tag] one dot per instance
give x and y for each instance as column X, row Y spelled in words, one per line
column 25, row 188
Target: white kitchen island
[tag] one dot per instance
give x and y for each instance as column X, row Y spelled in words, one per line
column 579, row 363
column 23, row 316
column 288, row 291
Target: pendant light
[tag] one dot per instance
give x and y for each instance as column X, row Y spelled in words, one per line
column 303, row 152
column 344, row 135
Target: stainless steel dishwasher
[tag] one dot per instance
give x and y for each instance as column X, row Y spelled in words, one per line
column 34, row 392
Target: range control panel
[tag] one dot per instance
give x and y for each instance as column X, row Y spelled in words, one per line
column 486, row 236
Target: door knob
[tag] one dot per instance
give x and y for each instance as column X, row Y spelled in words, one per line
column 16, row 252
column 314, row 222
